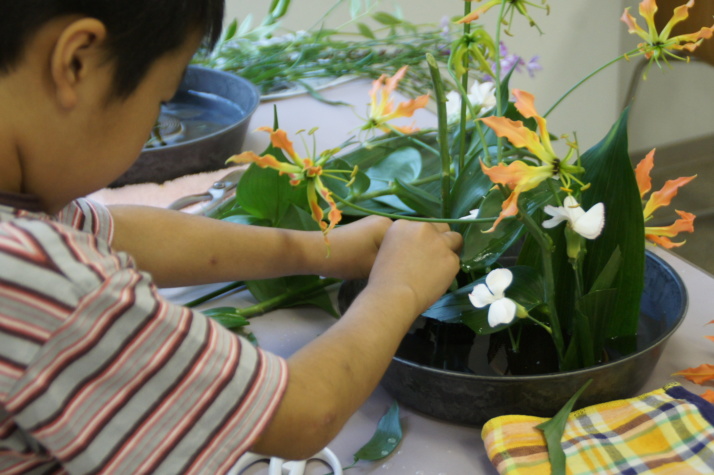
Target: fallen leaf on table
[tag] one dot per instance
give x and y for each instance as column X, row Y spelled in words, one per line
column 708, row 396
column 699, row 375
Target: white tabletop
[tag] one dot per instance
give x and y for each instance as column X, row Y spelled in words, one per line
column 429, row 446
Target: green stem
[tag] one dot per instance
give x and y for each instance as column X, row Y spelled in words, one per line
column 390, row 190
column 465, row 86
column 443, row 137
column 216, row 293
column 543, row 325
column 546, row 246
column 412, row 218
column 286, row 298
column 411, row 138
column 583, row 80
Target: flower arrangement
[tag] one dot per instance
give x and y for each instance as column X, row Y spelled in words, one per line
column 575, row 220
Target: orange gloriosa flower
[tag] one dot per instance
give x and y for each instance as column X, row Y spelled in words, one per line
column 661, row 235
column 657, row 45
column 511, row 6
column 518, row 175
column 301, row 169
column 381, row 108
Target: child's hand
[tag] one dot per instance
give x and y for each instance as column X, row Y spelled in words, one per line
column 420, row 257
column 354, row 247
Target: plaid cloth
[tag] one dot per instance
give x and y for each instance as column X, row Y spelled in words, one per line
column 667, row 431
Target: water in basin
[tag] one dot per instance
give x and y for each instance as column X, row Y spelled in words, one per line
column 191, row 115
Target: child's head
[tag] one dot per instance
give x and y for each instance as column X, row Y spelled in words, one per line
column 139, row 31
column 81, row 85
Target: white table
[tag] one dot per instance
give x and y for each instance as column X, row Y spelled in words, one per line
column 429, row 447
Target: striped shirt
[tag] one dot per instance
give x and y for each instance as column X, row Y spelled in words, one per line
column 100, row 374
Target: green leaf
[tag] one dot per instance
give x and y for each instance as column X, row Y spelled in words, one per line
column 267, row 289
column 470, row 188
column 386, row 19
column 365, row 31
column 298, row 219
column 553, row 430
column 231, row 30
column 422, row 202
column 229, row 317
column 607, row 276
column 403, row 164
column 610, row 173
column 481, row 250
column 266, row 194
column 385, row 439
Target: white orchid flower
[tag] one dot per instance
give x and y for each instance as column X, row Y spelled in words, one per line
column 587, row 224
column 502, row 309
column 481, row 95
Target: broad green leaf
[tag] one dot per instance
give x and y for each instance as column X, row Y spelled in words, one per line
column 385, row 439
column 403, row 164
column 579, row 353
column 553, row 430
column 360, row 183
column 298, row 219
column 598, row 306
column 481, row 249
column 266, row 194
column 607, row 276
column 470, row 187
column 417, row 199
column 610, row 173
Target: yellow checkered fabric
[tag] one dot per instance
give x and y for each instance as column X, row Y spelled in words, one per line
column 667, row 431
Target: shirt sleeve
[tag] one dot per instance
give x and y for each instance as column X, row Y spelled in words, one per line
column 113, row 378
column 88, row 216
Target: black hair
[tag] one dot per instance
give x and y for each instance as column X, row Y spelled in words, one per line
column 138, row 31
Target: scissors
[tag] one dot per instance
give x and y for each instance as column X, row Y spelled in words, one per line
column 215, row 196
column 278, row 466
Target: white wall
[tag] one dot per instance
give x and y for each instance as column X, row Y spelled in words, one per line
column 579, row 36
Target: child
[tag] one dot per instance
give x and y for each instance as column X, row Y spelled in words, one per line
column 97, row 371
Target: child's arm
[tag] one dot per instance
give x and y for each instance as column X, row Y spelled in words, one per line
column 180, row 249
column 331, row 377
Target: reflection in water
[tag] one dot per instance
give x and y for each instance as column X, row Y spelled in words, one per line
column 455, row 347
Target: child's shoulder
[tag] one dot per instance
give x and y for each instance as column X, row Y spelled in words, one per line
column 69, row 252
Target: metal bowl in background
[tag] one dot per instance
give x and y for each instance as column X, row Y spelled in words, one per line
column 202, row 126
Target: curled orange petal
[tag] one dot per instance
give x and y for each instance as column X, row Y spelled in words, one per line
column 266, row 161
column 407, row 108
column 664, row 196
column 642, row 173
column 516, row 133
column 518, row 176
column 279, row 139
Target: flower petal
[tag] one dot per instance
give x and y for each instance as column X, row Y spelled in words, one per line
column 664, row 196
column 498, row 281
column 590, row 224
column 501, row 311
column 642, row 173
column 480, row 296
column 558, row 214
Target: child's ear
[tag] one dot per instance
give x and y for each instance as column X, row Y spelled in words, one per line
column 77, row 53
